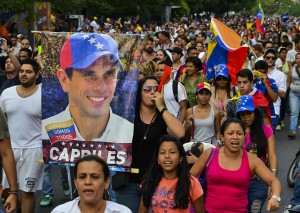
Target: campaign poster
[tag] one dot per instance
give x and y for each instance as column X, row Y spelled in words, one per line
column 83, row 111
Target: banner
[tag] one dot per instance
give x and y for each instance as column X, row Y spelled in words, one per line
column 88, row 97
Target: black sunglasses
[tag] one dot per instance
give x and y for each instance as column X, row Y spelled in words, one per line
column 219, row 78
column 271, row 57
column 149, row 88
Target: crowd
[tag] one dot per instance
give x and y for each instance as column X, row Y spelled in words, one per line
column 192, row 128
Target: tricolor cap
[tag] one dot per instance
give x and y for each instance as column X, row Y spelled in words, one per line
column 81, row 50
column 201, row 86
column 221, row 69
column 245, row 103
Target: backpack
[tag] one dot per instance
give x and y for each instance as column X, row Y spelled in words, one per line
column 175, row 90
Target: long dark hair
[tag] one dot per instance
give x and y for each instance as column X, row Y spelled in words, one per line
column 228, row 87
column 139, row 92
column 153, row 177
column 257, row 134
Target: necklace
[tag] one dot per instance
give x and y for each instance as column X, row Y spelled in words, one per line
column 147, row 130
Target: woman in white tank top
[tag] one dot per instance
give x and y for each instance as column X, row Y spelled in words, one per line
column 203, row 121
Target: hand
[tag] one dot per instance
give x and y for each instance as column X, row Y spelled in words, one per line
column 11, row 203
column 191, row 159
column 273, row 205
column 4, row 45
column 158, row 98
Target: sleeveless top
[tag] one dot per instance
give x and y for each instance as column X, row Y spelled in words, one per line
column 204, row 128
column 295, row 83
column 227, row 191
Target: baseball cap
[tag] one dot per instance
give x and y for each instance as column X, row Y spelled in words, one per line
column 20, row 36
column 270, row 50
column 177, row 50
column 201, row 86
column 245, row 103
column 221, row 69
column 81, row 50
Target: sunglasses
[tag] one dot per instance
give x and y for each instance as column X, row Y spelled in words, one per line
column 271, row 57
column 243, row 113
column 149, row 88
column 219, row 78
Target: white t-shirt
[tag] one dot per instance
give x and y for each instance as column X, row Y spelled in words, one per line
column 280, row 80
column 24, row 117
column 72, row 207
column 278, row 63
column 290, row 57
column 169, row 98
column 261, row 58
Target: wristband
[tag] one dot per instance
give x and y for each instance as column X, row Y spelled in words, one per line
column 163, row 110
column 13, row 192
column 274, row 170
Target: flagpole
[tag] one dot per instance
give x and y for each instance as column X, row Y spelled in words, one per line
column 251, row 49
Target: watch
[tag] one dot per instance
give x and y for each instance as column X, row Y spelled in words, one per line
column 276, row 198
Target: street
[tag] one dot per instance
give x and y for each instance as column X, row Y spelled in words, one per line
column 286, row 150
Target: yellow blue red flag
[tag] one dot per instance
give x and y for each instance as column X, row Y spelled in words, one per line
column 260, row 18
column 226, row 47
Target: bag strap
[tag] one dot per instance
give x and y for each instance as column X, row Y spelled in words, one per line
column 193, row 126
column 175, row 90
column 208, row 160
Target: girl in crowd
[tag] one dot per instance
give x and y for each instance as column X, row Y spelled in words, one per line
column 260, row 141
column 223, row 192
column 91, row 176
column 191, row 77
column 169, row 174
column 221, row 90
column 202, row 120
column 152, row 121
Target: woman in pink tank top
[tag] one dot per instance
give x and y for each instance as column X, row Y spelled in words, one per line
column 230, row 172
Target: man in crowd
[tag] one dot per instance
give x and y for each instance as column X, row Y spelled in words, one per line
column 245, row 86
column 24, row 122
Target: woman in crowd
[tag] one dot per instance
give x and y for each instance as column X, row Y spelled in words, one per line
column 152, row 121
column 294, row 97
column 191, row 77
column 260, row 141
column 169, row 174
column 221, row 90
column 91, row 176
column 163, row 56
column 230, row 171
column 147, row 68
column 203, row 121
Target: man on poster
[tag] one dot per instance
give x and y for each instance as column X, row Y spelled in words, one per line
column 89, row 68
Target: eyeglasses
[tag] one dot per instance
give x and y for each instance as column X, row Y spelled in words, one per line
column 271, row 57
column 149, row 88
column 243, row 113
column 219, row 78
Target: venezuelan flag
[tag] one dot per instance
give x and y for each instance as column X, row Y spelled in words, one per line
column 225, row 48
column 260, row 18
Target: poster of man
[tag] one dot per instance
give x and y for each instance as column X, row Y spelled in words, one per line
column 89, row 74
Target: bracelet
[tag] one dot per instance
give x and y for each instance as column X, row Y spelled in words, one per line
column 13, row 192
column 163, row 110
column 274, row 170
